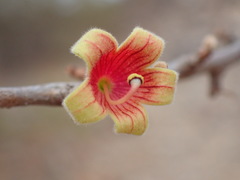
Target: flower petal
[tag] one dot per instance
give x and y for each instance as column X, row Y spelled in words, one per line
column 92, row 45
column 82, row 106
column 129, row 118
column 139, row 50
column 159, row 86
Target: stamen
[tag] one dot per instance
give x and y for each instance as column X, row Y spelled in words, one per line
column 135, row 83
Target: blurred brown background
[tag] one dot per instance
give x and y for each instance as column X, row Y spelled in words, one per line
column 195, row 138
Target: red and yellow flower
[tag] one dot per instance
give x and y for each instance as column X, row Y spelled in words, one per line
column 119, row 80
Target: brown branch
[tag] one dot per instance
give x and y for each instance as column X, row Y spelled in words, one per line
column 220, row 58
column 46, row 94
column 194, row 61
column 54, row 93
column 214, row 65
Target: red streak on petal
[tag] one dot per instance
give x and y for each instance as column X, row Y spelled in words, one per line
column 125, row 48
column 128, row 116
column 111, row 109
column 150, row 90
column 107, row 37
column 134, row 53
column 118, row 56
column 149, row 93
column 78, row 110
column 102, row 98
column 169, row 87
column 108, row 62
column 144, row 119
column 148, row 62
column 94, row 45
column 86, row 54
column 137, row 60
column 154, row 72
column 100, row 113
column 80, row 91
column 140, row 97
column 133, row 62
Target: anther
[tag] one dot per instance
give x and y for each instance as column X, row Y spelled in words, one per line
column 135, row 76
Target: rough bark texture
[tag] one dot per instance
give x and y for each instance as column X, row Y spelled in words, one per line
column 46, row 94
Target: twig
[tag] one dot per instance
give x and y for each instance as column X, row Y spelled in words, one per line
column 76, row 72
column 54, row 93
column 215, row 84
column 46, row 94
column 220, row 58
column 214, row 64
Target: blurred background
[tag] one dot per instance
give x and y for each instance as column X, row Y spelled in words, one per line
column 197, row 137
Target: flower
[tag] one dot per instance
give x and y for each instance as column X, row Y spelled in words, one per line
column 119, row 80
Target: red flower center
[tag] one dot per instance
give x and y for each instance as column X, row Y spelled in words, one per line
column 111, row 84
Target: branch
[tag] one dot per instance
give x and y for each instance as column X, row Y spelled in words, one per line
column 220, row 58
column 215, row 63
column 46, row 94
column 54, row 93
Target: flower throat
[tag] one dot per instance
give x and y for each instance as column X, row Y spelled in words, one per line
column 134, row 80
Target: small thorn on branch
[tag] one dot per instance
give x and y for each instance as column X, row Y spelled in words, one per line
column 76, row 72
column 209, row 43
column 215, row 83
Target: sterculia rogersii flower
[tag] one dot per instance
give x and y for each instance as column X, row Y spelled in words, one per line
column 120, row 79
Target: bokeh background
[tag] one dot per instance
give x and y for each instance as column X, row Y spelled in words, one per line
column 197, row 137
